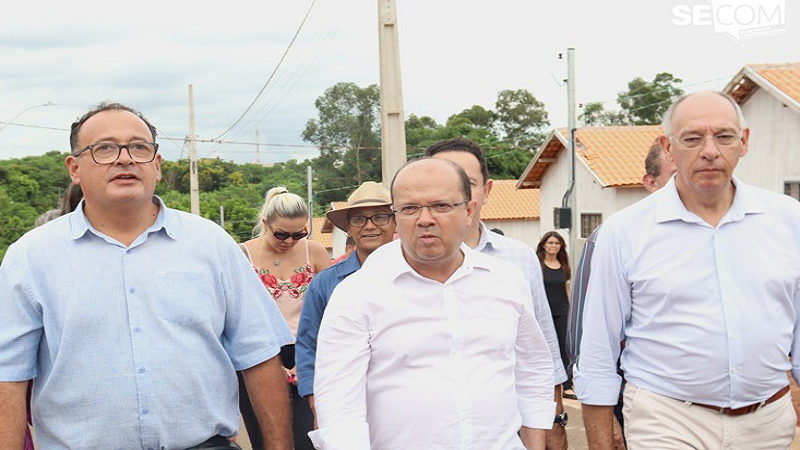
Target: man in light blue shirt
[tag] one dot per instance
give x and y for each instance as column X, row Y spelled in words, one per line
column 367, row 219
column 702, row 281
column 133, row 318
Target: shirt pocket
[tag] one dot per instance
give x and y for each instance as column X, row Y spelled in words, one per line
column 183, row 298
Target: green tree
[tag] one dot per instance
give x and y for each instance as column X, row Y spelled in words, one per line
column 521, row 117
column 595, row 115
column 347, row 132
column 645, row 102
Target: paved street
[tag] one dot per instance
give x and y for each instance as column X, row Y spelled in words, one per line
column 576, row 433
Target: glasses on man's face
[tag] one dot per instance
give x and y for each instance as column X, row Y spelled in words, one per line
column 436, row 209
column 697, row 141
column 377, row 219
column 284, row 235
column 109, row 152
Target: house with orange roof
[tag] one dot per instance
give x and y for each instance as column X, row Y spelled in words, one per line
column 514, row 211
column 769, row 95
column 610, row 160
column 608, row 174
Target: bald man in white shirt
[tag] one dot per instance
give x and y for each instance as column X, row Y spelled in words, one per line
column 432, row 344
column 702, row 281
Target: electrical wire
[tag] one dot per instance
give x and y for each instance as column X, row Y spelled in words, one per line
column 288, row 48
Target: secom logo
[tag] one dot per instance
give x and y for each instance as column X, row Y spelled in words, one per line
column 739, row 19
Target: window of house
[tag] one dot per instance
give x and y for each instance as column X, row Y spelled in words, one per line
column 589, row 222
column 792, row 189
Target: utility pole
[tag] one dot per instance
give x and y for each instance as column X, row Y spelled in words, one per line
column 258, row 149
column 393, row 131
column 575, row 220
column 194, row 189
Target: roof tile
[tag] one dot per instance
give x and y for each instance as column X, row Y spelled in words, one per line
column 615, row 154
column 506, row 202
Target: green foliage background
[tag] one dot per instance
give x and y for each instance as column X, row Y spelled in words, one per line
column 347, row 132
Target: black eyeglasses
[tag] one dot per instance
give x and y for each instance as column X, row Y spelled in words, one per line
column 109, row 152
column 377, row 219
column 412, row 211
column 284, row 235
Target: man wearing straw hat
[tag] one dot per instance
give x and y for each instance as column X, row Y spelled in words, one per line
column 367, row 219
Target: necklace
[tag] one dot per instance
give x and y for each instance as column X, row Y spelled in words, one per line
column 277, row 262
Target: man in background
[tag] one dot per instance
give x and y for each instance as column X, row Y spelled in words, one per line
column 469, row 156
column 369, row 223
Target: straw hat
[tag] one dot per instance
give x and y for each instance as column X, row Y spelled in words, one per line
column 368, row 194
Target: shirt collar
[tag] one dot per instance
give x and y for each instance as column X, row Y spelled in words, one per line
column 349, row 264
column 168, row 220
column 670, row 207
column 472, row 260
column 488, row 238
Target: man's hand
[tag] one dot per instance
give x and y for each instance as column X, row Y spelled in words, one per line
column 619, row 441
column 310, row 399
column 266, row 385
column 599, row 426
column 12, row 414
column 557, row 436
column 532, row 438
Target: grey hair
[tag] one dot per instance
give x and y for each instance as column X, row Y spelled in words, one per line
column 279, row 202
column 667, row 122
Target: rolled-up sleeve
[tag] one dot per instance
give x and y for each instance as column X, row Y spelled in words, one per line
column 606, row 309
column 533, row 373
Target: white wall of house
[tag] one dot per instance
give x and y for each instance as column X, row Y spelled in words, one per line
column 525, row 230
column 590, row 197
column 774, row 152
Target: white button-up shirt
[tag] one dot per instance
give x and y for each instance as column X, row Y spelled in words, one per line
column 405, row 362
column 708, row 314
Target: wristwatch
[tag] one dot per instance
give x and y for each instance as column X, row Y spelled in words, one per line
column 561, row 419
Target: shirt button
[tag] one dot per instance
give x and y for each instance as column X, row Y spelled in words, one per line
column 145, row 411
column 137, row 330
column 142, row 370
column 131, row 291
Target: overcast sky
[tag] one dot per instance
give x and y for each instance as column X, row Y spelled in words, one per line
column 454, row 54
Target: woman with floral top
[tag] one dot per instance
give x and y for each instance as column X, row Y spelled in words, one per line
column 286, row 262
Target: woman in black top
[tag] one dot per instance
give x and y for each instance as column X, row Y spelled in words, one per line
column 552, row 253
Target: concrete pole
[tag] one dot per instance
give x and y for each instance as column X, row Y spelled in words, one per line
column 194, row 189
column 574, row 232
column 393, row 127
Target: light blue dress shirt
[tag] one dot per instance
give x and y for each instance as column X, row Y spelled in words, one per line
column 708, row 314
column 133, row 347
column 314, row 303
column 524, row 257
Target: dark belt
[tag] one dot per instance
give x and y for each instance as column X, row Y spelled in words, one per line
column 216, row 443
column 746, row 409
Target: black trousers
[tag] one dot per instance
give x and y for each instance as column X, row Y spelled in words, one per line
column 560, row 322
column 302, row 418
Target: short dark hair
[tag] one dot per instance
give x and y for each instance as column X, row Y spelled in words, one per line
column 466, row 188
column 652, row 163
column 461, row 144
column 101, row 107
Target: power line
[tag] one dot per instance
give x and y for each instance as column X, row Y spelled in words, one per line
column 289, row 47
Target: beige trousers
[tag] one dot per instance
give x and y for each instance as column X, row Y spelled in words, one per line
column 653, row 421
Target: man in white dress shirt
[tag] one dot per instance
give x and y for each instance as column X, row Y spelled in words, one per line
column 432, row 345
column 702, row 281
